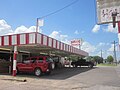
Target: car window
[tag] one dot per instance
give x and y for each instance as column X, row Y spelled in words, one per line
column 26, row 61
column 33, row 60
column 40, row 59
column 48, row 59
column 55, row 59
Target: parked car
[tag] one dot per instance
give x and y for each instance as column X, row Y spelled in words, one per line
column 37, row 64
column 82, row 62
column 59, row 61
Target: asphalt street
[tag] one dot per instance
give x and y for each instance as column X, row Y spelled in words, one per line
column 98, row 78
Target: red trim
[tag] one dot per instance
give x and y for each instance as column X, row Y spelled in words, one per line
column 42, row 39
column 10, row 40
column 18, row 39
column 15, row 55
column 27, row 38
column 47, row 41
column 52, row 42
column 56, row 44
column 62, row 46
column 65, row 47
column 2, row 39
column 68, row 48
column 118, row 27
column 14, row 73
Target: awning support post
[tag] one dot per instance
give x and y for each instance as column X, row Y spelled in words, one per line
column 14, row 61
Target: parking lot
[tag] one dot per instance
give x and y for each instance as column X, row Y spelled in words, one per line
column 98, row 78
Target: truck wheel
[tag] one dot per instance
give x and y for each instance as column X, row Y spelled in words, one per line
column 76, row 66
column 38, row 72
column 48, row 73
column 90, row 65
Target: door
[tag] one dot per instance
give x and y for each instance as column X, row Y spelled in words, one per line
column 28, row 65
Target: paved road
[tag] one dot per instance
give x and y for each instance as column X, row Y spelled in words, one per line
column 99, row 78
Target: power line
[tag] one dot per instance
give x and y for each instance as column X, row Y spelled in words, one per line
column 59, row 9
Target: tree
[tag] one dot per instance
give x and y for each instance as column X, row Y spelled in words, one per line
column 98, row 59
column 110, row 59
column 89, row 58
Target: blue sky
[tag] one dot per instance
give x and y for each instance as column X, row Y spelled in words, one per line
column 76, row 21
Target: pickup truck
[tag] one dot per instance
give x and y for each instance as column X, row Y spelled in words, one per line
column 82, row 62
column 37, row 65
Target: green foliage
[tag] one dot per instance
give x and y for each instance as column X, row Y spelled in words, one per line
column 89, row 58
column 73, row 58
column 110, row 59
column 98, row 59
column 106, row 64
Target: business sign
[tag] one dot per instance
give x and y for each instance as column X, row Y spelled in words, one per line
column 105, row 8
column 75, row 42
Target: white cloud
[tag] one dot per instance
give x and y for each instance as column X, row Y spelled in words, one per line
column 88, row 47
column 76, row 32
column 5, row 29
column 111, row 29
column 63, row 37
column 95, row 50
column 111, row 48
column 23, row 29
column 57, row 35
column 101, row 44
column 96, row 28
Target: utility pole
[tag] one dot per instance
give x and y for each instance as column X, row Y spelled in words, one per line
column 115, row 60
column 101, row 53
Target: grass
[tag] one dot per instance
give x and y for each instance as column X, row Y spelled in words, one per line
column 106, row 64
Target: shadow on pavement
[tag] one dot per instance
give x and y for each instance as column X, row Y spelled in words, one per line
column 59, row 74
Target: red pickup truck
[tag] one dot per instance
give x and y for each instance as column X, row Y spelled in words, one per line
column 38, row 65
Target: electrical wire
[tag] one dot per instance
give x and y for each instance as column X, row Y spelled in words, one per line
column 59, row 10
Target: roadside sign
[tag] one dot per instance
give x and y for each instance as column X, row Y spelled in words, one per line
column 105, row 9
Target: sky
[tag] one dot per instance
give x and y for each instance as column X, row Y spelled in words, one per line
column 74, row 22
